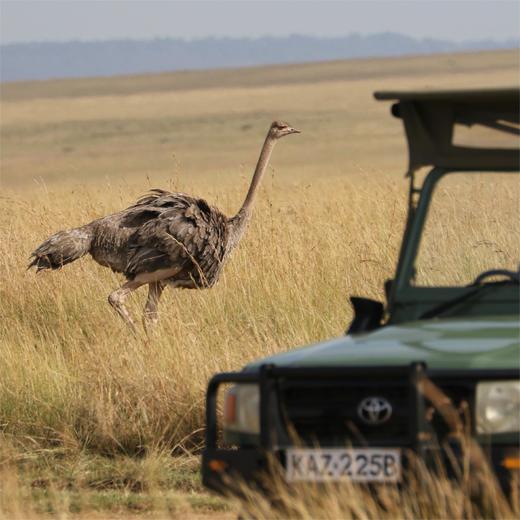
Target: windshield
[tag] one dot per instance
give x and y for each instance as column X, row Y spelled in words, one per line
column 473, row 225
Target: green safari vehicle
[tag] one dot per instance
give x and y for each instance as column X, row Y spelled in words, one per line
column 439, row 359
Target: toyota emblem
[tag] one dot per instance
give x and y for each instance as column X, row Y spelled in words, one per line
column 374, row 410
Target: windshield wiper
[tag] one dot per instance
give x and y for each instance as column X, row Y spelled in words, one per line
column 476, row 291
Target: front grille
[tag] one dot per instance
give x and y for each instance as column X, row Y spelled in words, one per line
column 325, row 412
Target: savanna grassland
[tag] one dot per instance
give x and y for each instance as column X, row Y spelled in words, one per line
column 95, row 421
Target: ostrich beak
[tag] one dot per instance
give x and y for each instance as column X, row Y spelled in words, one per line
column 294, row 131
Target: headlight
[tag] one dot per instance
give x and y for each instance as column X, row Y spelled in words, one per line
column 242, row 409
column 498, row 407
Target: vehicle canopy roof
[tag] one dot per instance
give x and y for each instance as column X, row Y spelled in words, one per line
column 431, row 119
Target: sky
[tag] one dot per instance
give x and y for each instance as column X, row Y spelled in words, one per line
column 86, row 20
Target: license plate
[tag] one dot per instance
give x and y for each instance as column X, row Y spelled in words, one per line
column 336, row 464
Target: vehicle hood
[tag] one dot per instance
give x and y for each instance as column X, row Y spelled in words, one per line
column 442, row 344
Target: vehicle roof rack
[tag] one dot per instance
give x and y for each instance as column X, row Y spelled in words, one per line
column 430, row 119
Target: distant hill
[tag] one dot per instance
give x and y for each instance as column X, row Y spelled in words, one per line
column 37, row 61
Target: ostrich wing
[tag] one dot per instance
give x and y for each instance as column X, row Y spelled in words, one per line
column 186, row 233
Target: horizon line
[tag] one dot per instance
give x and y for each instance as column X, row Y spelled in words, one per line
column 259, row 37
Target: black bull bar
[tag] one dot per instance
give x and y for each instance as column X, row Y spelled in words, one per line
column 221, row 467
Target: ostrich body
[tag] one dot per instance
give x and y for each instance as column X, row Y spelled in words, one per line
column 163, row 239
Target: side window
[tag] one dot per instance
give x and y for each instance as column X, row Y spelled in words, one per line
column 473, row 225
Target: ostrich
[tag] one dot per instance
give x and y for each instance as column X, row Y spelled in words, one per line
column 163, row 239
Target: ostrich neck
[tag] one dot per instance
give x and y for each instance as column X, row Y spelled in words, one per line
column 261, row 167
column 241, row 219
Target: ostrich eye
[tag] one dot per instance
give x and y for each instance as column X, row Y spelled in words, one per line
column 279, row 126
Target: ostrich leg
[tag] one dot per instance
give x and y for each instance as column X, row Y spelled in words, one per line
column 151, row 316
column 156, row 285
column 117, row 298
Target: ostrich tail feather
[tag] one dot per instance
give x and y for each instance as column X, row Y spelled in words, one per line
column 62, row 248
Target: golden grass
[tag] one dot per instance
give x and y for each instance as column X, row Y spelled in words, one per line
column 74, row 378
column 327, row 225
column 427, row 494
column 84, row 377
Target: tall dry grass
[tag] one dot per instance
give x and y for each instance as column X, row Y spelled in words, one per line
column 77, row 387
column 73, row 374
column 427, row 494
column 76, row 383
column 154, row 486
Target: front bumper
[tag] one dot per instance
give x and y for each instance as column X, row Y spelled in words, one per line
column 227, row 470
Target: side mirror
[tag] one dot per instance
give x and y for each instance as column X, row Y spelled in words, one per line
column 367, row 315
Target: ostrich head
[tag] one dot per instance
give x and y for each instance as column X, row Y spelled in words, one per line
column 279, row 129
